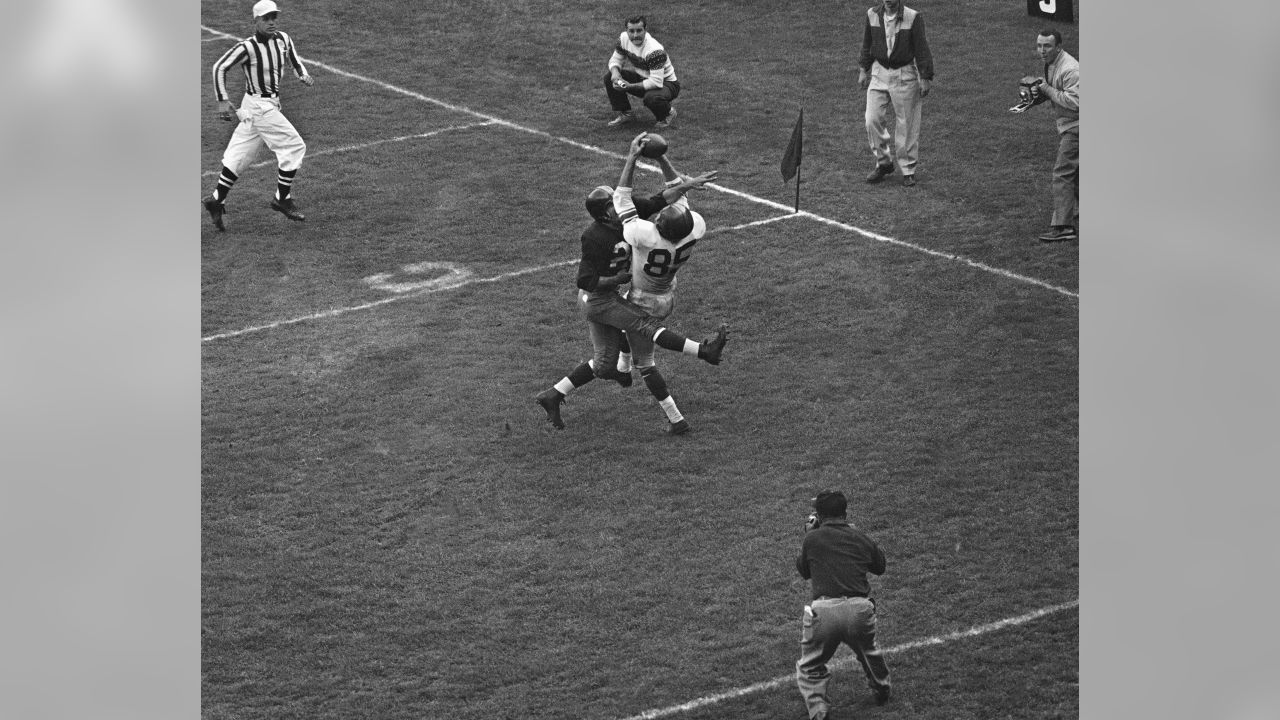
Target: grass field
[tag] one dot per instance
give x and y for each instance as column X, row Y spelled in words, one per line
column 392, row 530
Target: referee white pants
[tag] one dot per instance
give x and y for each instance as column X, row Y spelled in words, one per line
column 262, row 123
column 898, row 89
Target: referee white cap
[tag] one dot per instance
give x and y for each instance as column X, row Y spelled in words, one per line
column 262, row 7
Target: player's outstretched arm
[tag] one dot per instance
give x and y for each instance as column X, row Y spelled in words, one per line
column 686, row 183
column 629, row 167
column 669, row 172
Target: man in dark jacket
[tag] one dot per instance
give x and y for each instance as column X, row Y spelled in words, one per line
column 896, row 69
column 836, row 557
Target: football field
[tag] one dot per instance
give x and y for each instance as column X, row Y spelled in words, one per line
column 390, row 528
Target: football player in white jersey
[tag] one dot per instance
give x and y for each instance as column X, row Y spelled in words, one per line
column 659, row 248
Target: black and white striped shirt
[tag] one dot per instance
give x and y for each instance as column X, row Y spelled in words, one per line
column 263, row 59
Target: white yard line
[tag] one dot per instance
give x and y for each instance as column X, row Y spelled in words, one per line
column 777, row 682
column 335, row 312
column 365, row 146
column 848, row 661
column 746, row 196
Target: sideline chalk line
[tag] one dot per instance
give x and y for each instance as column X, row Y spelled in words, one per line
column 494, row 120
column 366, row 146
column 335, row 312
column 848, row 661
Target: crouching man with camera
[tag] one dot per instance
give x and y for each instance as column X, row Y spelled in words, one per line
column 836, row 557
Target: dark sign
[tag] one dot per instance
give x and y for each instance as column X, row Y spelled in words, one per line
column 1052, row 9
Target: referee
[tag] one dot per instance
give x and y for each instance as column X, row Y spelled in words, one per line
column 263, row 59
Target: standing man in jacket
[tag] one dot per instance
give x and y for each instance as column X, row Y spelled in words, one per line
column 896, row 70
column 836, row 557
column 1062, row 87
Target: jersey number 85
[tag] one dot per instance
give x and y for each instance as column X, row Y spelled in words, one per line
column 662, row 262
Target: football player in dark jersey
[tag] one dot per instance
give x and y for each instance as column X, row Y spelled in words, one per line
column 605, row 265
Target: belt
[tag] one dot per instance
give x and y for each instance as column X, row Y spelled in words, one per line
column 267, row 96
column 840, row 597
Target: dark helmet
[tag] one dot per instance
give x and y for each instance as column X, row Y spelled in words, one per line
column 600, row 202
column 674, row 222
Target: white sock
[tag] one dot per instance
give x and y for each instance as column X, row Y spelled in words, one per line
column 624, row 362
column 565, row 386
column 668, row 405
column 690, row 348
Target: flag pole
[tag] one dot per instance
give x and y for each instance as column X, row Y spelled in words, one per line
column 798, row 170
column 792, row 158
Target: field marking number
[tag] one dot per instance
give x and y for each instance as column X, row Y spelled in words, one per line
column 454, row 275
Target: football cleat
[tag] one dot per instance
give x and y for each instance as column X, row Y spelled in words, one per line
column 289, row 210
column 678, row 428
column 216, row 210
column 551, row 400
column 711, row 349
column 623, row 379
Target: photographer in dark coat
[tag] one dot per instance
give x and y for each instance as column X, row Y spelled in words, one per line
column 836, row 557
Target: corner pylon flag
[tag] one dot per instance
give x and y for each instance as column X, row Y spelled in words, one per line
column 791, row 158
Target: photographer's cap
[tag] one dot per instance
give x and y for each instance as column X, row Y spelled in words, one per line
column 830, row 503
column 262, row 7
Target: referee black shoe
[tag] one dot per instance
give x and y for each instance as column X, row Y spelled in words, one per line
column 287, row 207
column 216, row 209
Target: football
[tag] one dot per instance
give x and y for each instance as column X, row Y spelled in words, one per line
column 654, row 146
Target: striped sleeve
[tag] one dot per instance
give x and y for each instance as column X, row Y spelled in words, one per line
column 625, row 206
column 615, row 60
column 236, row 55
column 292, row 53
column 660, row 73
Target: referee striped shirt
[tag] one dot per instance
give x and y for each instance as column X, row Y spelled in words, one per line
column 263, row 58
